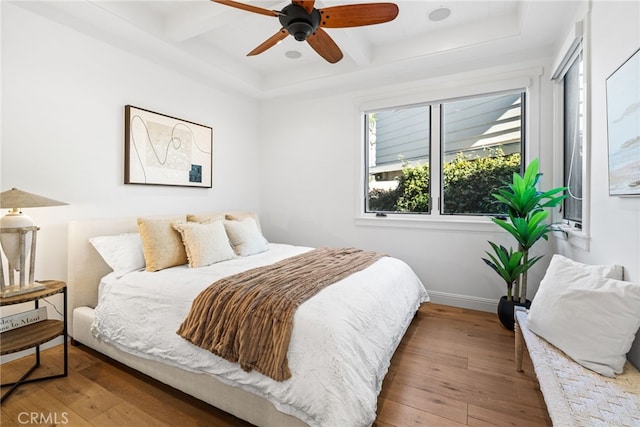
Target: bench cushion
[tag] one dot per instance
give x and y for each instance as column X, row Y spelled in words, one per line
column 576, row 396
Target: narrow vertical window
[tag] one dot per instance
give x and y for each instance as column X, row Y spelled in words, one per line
column 573, row 132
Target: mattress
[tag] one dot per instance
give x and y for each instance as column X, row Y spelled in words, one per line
column 342, row 341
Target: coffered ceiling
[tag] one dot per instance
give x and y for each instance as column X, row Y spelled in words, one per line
column 209, row 41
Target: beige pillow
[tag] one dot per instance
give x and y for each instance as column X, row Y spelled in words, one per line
column 205, row 243
column 205, row 217
column 245, row 236
column 161, row 243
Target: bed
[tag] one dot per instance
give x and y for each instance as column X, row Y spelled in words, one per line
column 337, row 360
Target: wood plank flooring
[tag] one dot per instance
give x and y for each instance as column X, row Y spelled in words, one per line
column 454, row 367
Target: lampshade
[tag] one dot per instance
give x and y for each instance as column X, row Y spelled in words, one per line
column 16, row 199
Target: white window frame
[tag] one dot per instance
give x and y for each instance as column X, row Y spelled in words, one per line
column 439, row 91
column 576, row 43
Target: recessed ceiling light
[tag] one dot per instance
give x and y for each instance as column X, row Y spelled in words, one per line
column 439, row 14
column 292, row 54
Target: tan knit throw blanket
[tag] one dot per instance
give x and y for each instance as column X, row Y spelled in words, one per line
column 248, row 317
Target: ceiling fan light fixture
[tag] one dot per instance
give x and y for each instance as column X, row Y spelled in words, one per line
column 439, row 14
column 298, row 22
column 300, row 30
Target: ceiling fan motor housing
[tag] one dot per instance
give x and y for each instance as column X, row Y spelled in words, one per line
column 298, row 22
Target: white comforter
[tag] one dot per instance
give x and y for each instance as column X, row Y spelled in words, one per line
column 341, row 345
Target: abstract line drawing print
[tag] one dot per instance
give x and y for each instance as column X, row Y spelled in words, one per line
column 166, row 151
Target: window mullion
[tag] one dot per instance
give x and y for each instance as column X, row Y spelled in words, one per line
column 435, row 160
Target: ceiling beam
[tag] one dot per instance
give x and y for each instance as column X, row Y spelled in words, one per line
column 353, row 45
column 202, row 17
column 133, row 13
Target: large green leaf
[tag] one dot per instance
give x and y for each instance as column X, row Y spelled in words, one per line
column 506, row 225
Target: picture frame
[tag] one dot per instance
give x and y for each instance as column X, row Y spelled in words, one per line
column 165, row 150
column 623, row 128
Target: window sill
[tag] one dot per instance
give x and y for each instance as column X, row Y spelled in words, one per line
column 577, row 238
column 428, row 222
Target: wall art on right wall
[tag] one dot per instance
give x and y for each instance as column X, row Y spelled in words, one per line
column 623, row 127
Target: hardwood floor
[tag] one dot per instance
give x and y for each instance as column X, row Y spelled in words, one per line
column 454, row 367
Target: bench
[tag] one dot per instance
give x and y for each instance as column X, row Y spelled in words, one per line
column 574, row 395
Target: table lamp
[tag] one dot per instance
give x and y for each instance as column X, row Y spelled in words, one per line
column 18, row 240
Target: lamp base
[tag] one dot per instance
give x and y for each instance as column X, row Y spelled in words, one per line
column 19, row 290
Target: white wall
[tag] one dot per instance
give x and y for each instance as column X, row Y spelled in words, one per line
column 311, row 168
column 615, row 221
column 63, row 97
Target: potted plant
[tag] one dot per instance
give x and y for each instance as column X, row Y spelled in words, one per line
column 526, row 223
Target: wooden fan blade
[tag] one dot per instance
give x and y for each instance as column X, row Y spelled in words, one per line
column 270, row 42
column 357, row 15
column 248, row 7
column 325, row 46
column 306, row 4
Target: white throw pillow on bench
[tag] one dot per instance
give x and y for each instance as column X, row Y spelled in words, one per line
column 588, row 312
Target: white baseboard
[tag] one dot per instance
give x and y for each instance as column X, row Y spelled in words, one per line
column 463, row 301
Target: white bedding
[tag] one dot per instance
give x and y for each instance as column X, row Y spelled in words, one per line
column 341, row 345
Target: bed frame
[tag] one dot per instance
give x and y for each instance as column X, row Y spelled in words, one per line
column 85, row 268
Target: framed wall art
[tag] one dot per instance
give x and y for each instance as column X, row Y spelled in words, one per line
column 164, row 150
column 623, row 128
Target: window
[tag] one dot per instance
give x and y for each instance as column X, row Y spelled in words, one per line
column 570, row 75
column 444, row 158
column 398, row 143
column 573, row 139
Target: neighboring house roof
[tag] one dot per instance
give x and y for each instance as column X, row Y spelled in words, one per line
column 470, row 126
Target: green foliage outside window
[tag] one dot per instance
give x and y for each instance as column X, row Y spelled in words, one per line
column 468, row 185
column 413, row 189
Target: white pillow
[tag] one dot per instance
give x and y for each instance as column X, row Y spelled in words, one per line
column 593, row 319
column 612, row 271
column 122, row 252
column 245, row 236
column 205, row 243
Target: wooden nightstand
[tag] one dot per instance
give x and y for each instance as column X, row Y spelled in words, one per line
column 35, row 334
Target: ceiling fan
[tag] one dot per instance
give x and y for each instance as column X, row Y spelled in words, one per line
column 304, row 22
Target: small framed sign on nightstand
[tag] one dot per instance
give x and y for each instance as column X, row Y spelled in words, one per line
column 19, row 320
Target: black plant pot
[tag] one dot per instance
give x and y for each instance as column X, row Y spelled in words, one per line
column 505, row 311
